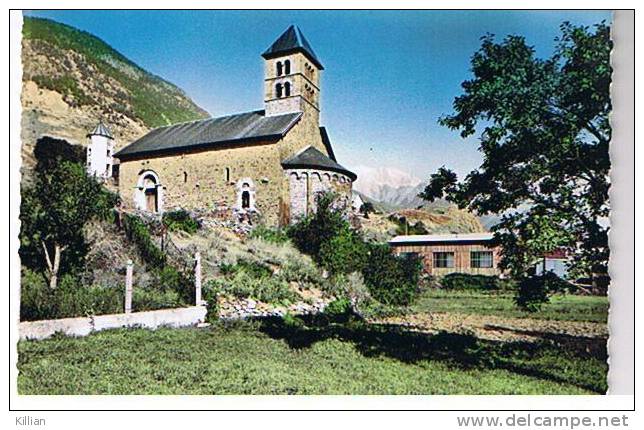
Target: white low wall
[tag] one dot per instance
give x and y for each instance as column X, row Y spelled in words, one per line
column 179, row 317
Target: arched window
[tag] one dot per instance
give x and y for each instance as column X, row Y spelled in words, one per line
column 279, row 68
column 287, row 67
column 287, row 89
column 278, row 90
column 185, row 177
column 245, row 199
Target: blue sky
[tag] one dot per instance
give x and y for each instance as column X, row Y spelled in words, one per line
column 389, row 75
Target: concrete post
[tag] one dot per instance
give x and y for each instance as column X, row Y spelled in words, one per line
column 128, row 287
column 197, row 278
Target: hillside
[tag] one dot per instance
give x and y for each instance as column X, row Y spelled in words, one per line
column 72, row 79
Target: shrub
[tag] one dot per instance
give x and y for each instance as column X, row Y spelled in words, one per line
column 312, row 231
column 169, row 279
column 339, row 310
column 271, row 235
column 138, row 232
column 463, row 281
column 147, row 299
column 329, row 239
column 180, row 220
column 534, row 291
column 251, row 268
column 299, row 270
column 242, row 285
column 69, row 299
column 391, row 279
column 345, row 252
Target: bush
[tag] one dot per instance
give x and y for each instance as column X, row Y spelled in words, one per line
column 180, row 220
column 534, row 291
column 271, row 235
column 463, row 281
column 392, row 280
column 299, row 270
column 148, row 299
column 339, row 310
column 138, row 232
column 329, row 239
column 315, row 229
column 243, row 285
column 69, row 299
column 345, row 252
column 169, row 279
column 252, row 268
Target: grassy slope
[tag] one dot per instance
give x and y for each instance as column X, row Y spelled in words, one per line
column 152, row 100
column 279, row 359
column 562, row 308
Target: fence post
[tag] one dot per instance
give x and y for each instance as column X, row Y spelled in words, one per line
column 128, row 287
column 197, row 278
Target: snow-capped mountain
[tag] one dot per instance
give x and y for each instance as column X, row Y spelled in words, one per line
column 388, row 185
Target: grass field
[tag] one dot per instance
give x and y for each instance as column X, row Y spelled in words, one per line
column 305, row 357
column 561, row 307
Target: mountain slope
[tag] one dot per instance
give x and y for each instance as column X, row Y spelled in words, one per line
column 72, row 79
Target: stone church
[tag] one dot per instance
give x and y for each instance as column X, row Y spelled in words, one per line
column 268, row 163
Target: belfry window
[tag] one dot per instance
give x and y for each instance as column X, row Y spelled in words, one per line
column 287, row 89
column 279, row 68
column 287, row 67
column 278, row 90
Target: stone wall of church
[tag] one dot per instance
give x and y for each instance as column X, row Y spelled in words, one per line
column 212, row 179
column 305, row 185
column 303, row 134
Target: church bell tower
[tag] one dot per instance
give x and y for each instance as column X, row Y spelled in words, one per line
column 292, row 76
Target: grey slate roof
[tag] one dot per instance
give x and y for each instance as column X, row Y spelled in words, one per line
column 232, row 129
column 101, row 130
column 441, row 238
column 312, row 157
column 292, row 40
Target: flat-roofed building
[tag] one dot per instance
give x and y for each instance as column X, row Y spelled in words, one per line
column 472, row 253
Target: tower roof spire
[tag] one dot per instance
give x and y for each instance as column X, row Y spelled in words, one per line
column 101, row 130
column 292, row 40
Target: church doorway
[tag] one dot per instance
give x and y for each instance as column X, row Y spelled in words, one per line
column 148, row 194
column 151, row 195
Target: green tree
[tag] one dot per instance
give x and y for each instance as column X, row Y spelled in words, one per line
column 54, row 210
column 366, row 209
column 544, row 132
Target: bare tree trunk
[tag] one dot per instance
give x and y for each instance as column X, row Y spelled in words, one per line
column 52, row 268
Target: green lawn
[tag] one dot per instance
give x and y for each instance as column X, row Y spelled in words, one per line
column 561, row 307
column 311, row 357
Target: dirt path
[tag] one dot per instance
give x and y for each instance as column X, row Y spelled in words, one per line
column 503, row 329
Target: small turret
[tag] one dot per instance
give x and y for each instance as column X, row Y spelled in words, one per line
column 100, row 152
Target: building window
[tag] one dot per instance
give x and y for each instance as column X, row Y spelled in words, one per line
column 185, row 177
column 278, row 90
column 245, row 200
column 227, row 174
column 287, row 89
column 443, row 259
column 279, row 68
column 287, row 67
column 481, row 259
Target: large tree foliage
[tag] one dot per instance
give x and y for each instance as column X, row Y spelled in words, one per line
column 54, row 209
column 544, row 131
